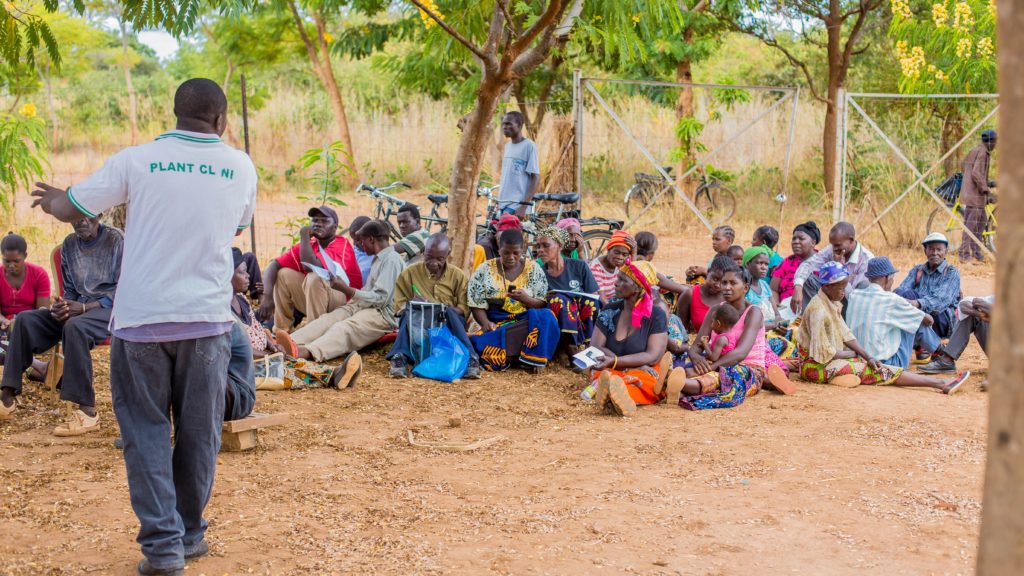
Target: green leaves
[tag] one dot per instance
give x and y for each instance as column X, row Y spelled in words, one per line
column 327, row 178
column 22, row 152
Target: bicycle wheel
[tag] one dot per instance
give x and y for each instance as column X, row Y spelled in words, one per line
column 990, row 234
column 593, row 243
column 939, row 221
column 716, row 202
column 636, row 199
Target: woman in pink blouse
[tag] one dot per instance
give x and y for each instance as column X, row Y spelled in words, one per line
column 805, row 237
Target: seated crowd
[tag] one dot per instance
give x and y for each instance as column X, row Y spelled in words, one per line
column 749, row 319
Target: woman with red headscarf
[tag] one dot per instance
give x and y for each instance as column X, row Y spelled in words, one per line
column 632, row 335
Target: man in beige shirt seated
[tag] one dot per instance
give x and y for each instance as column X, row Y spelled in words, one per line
column 368, row 314
column 432, row 281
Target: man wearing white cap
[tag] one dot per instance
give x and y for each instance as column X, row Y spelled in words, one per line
column 934, row 287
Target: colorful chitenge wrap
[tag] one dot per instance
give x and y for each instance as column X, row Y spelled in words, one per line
column 575, row 315
column 727, row 388
column 643, row 274
column 538, row 341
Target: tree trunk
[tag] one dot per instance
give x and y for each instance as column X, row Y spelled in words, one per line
column 229, row 131
column 684, row 109
column 466, row 170
column 133, row 106
column 1002, row 524
column 830, row 133
column 334, row 95
column 952, row 132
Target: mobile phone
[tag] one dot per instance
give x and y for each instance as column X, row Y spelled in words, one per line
column 511, row 287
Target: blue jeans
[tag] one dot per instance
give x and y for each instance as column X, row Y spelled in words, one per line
column 902, row 357
column 170, row 485
column 241, row 390
column 926, row 339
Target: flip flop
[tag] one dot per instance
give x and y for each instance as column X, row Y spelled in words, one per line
column 955, row 385
column 676, row 381
column 346, row 375
column 621, row 401
column 286, row 342
column 777, row 378
column 664, row 367
column 601, row 393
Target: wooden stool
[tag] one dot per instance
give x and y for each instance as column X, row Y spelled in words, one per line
column 239, row 435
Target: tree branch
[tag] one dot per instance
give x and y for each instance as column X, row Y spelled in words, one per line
column 503, row 5
column 851, row 40
column 305, row 37
column 772, row 43
column 452, row 32
column 543, row 24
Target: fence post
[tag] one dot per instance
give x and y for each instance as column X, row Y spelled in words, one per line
column 839, row 195
column 577, row 129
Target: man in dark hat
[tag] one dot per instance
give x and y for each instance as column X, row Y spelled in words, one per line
column 975, row 193
column 298, row 280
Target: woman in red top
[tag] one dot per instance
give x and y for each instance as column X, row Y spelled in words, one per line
column 693, row 306
column 24, row 286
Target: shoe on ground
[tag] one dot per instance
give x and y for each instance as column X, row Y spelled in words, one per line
column 922, row 357
column 286, row 342
column 676, row 381
column 601, row 394
column 399, row 367
column 7, row 412
column 664, row 367
column 955, row 385
column 473, row 369
column 196, row 550
column 147, row 569
column 79, row 423
column 621, row 401
column 941, row 365
column 346, row 375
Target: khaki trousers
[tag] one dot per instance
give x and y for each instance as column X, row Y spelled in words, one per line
column 306, row 293
column 347, row 329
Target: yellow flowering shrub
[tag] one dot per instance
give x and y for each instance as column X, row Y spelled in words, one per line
column 940, row 15
column 28, row 110
column 428, row 22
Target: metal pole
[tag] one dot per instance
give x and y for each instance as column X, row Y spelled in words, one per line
column 577, row 128
column 923, row 96
column 692, row 84
column 921, row 177
column 837, row 192
column 789, row 156
column 245, row 134
column 846, row 156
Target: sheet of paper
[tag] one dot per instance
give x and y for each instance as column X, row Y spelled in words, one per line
column 587, row 358
column 318, row 271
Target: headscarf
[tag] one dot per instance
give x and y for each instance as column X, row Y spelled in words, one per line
column 557, row 234
column 236, row 257
column 624, row 239
column 646, row 277
column 832, row 272
column 508, row 222
column 811, row 229
column 755, row 251
column 565, row 223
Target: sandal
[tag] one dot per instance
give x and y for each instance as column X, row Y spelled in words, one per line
column 955, row 385
column 346, row 375
column 286, row 342
column 664, row 367
column 621, row 401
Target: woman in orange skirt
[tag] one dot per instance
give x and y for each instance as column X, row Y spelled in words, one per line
column 632, row 335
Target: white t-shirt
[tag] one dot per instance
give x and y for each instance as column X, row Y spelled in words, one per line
column 519, row 162
column 187, row 196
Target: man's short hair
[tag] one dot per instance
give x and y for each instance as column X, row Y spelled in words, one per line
column 374, row 229
column 516, row 115
column 844, row 228
column 356, row 224
column 411, row 209
column 200, row 99
column 14, row 242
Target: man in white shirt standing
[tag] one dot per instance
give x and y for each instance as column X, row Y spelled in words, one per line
column 188, row 195
column 520, row 169
column 843, row 248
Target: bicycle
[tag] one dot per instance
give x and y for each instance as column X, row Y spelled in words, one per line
column 715, row 200
column 387, row 205
column 940, row 221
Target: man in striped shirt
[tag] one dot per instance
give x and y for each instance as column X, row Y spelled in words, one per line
column 884, row 323
column 414, row 237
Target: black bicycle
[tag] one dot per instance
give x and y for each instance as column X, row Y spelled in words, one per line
column 387, row 205
column 715, row 200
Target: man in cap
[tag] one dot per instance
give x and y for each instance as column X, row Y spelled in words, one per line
column 975, row 315
column 290, row 287
column 843, row 248
column 884, row 323
column 934, row 288
column 975, row 193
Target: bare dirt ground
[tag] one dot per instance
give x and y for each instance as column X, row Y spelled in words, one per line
column 827, row 481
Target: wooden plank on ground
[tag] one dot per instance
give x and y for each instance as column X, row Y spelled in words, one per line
column 255, row 421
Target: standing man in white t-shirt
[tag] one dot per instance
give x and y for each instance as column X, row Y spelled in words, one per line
column 188, row 195
column 520, row 169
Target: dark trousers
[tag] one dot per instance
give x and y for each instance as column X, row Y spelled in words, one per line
column 974, row 220
column 241, row 389
column 456, row 323
column 962, row 336
column 35, row 331
column 154, row 386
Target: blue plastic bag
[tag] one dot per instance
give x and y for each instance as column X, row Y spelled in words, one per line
column 448, row 358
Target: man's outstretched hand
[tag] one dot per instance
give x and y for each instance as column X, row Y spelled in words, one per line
column 45, row 196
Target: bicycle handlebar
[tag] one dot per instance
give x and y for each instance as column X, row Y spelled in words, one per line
column 378, row 192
